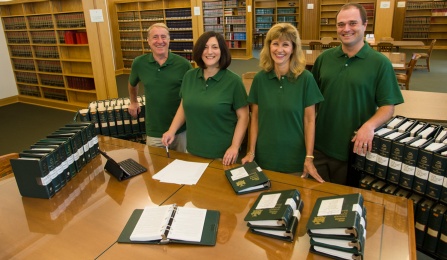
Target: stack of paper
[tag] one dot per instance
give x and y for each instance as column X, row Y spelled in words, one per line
column 181, row 172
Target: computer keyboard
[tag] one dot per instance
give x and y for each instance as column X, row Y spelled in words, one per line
column 131, row 167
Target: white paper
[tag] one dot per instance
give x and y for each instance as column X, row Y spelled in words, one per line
column 188, row 224
column 238, row 173
column 181, row 172
column 401, row 4
column 96, row 16
column 196, row 10
column 151, row 224
column 385, row 4
column 268, row 201
column 330, row 207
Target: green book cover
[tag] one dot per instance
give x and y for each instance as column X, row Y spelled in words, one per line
column 334, row 254
column 339, row 215
column 247, row 178
column 274, row 208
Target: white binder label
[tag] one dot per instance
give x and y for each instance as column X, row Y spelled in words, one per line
column 422, row 174
column 435, row 179
column 408, row 169
column 396, row 165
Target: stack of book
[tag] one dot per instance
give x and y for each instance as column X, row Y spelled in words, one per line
column 276, row 214
column 337, row 226
column 247, row 178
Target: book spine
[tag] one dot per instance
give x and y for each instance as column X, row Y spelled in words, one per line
column 371, row 157
column 383, row 157
column 422, row 214
column 408, row 166
column 436, row 176
column 422, row 171
column 433, row 228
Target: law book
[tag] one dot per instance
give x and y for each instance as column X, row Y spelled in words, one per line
column 32, row 177
column 417, row 199
column 402, row 193
column 396, row 155
column 50, row 161
column 111, row 121
column 119, row 119
column 367, row 181
column 61, row 158
column 171, row 224
column 421, row 220
column 126, row 119
column 94, row 118
column 247, row 178
column 286, row 234
column 441, row 249
column 434, row 227
column 334, row 254
column 102, row 116
column 371, row 157
column 92, row 137
column 274, row 209
column 83, row 138
column 384, row 150
column 142, row 118
column 70, row 158
column 337, row 216
column 84, row 115
column 409, row 159
column 78, row 151
column 423, row 166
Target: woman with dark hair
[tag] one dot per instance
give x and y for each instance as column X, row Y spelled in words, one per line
column 283, row 97
column 214, row 103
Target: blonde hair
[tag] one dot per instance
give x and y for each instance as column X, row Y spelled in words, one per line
column 159, row 25
column 285, row 32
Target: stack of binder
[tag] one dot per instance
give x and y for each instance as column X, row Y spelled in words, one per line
column 111, row 117
column 51, row 162
column 276, row 214
column 247, row 178
column 337, row 226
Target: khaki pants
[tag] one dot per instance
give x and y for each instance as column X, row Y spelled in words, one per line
column 178, row 145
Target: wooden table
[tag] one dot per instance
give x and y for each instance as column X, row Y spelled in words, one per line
column 425, row 106
column 85, row 218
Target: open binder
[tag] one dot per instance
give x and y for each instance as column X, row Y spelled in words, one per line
column 135, row 229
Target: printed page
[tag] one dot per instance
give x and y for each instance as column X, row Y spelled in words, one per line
column 188, row 224
column 152, row 223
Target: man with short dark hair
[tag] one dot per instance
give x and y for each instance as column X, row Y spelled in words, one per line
column 360, row 90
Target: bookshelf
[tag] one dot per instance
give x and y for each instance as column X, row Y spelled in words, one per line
column 268, row 13
column 135, row 17
column 233, row 20
column 425, row 21
column 48, row 43
column 329, row 9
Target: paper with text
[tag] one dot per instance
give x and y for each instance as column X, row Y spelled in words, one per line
column 181, row 172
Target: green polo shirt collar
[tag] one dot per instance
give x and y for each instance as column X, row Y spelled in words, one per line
column 219, row 75
column 362, row 54
column 168, row 61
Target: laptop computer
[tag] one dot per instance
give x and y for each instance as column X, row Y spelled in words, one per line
column 122, row 170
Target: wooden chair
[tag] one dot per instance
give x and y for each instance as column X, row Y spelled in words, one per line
column 426, row 56
column 385, row 47
column 5, row 165
column 315, row 45
column 404, row 78
column 247, row 79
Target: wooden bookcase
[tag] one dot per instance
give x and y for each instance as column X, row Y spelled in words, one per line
column 329, row 9
column 135, row 17
column 268, row 13
column 231, row 18
column 49, row 44
column 425, row 21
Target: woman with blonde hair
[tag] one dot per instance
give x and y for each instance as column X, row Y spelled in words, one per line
column 283, row 97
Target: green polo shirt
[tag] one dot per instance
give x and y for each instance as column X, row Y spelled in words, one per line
column 161, row 89
column 210, row 111
column 353, row 89
column 280, row 145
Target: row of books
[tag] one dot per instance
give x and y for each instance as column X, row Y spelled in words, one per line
column 81, row 83
column 425, row 5
column 71, row 20
column 410, row 154
column 40, row 22
column 417, row 27
column 415, row 35
column 25, row 77
column 52, row 80
column 56, row 94
column 46, row 52
column 21, row 51
column 74, row 37
column 111, row 117
column 20, row 64
column 236, row 27
column 417, row 20
column 50, row 163
column 179, row 25
column 337, row 226
column 14, row 23
column 238, row 36
column 29, row 90
column 430, row 216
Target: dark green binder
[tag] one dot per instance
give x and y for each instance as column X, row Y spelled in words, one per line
column 287, row 234
column 348, row 223
column 209, row 234
column 255, row 181
column 280, row 215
